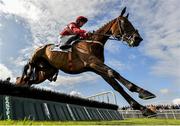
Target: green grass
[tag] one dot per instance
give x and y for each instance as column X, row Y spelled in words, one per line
column 144, row 121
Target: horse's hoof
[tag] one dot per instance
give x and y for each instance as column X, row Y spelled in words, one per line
column 54, row 79
column 148, row 113
column 144, row 94
column 24, row 85
column 26, row 77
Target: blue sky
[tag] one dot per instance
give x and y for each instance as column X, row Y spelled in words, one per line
column 154, row 65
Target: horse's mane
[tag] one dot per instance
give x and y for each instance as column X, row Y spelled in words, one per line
column 106, row 24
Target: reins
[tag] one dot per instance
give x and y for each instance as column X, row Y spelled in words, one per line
column 109, row 35
column 121, row 36
column 114, row 38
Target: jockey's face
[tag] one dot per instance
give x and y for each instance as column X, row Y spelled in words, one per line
column 81, row 23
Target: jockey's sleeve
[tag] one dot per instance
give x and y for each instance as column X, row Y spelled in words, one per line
column 77, row 30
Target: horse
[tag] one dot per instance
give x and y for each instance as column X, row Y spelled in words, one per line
column 88, row 55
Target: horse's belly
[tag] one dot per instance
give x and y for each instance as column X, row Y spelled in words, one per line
column 74, row 66
column 65, row 62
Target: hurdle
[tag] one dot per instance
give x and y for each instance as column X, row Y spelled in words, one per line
column 19, row 103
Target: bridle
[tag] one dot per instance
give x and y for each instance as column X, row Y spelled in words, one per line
column 121, row 36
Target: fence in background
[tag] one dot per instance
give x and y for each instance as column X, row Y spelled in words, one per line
column 167, row 114
column 106, row 97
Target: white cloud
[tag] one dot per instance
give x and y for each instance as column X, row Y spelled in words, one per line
column 164, row 91
column 19, row 61
column 46, row 17
column 5, row 72
column 75, row 79
column 112, row 46
column 113, row 63
column 176, row 101
column 45, row 87
column 75, row 93
column 1, row 43
column 21, row 8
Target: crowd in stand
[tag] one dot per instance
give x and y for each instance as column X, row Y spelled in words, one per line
column 158, row 107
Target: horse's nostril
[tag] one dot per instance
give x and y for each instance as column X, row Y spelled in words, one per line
column 140, row 39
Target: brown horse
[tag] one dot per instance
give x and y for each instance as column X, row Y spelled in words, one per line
column 88, row 55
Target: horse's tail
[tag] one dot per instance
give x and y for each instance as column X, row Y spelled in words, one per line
column 25, row 73
column 21, row 80
column 26, row 67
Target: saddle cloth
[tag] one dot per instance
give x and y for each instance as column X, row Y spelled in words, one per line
column 62, row 41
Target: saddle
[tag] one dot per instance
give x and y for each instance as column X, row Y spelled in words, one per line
column 65, row 41
column 56, row 47
column 80, row 48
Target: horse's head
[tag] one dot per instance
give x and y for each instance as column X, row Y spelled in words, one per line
column 124, row 30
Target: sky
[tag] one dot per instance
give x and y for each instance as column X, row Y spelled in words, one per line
column 153, row 65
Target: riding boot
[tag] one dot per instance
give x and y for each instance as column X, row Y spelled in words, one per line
column 68, row 44
column 63, row 47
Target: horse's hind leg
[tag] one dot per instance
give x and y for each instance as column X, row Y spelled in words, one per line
column 49, row 71
column 54, row 76
column 44, row 72
column 143, row 94
column 25, row 77
column 39, row 77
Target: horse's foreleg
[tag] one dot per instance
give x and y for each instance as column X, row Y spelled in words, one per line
column 102, row 68
column 134, row 104
column 143, row 94
column 108, row 77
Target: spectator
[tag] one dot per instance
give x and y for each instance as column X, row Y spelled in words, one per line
column 157, row 107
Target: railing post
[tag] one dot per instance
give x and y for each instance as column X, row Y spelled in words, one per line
column 103, row 94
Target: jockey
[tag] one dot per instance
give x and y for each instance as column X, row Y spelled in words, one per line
column 73, row 32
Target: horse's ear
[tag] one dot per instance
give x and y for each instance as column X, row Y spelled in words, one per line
column 127, row 15
column 123, row 11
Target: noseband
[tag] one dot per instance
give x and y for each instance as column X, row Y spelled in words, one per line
column 123, row 35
